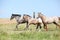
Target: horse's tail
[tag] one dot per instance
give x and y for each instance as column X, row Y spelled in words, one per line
column 59, row 18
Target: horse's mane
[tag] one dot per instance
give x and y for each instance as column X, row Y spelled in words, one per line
column 40, row 13
column 16, row 15
column 26, row 15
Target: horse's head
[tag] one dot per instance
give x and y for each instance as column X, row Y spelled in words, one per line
column 40, row 15
column 14, row 15
column 26, row 17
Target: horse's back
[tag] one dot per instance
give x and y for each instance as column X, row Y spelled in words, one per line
column 32, row 20
column 39, row 19
column 56, row 18
column 52, row 19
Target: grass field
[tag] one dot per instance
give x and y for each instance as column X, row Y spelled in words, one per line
column 8, row 32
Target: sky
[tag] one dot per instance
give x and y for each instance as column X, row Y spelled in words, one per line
column 47, row 7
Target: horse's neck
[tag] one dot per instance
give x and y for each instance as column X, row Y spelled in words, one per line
column 17, row 18
column 28, row 18
column 43, row 18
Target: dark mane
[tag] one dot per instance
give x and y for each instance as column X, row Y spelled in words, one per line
column 16, row 15
column 26, row 15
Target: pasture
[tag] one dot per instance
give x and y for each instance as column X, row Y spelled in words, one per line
column 8, row 32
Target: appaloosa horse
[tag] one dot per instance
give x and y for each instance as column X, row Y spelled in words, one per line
column 49, row 20
column 31, row 20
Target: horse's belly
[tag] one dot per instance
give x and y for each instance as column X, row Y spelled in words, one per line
column 50, row 21
column 39, row 20
column 33, row 22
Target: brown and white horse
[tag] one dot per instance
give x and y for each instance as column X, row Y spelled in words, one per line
column 48, row 20
column 34, row 21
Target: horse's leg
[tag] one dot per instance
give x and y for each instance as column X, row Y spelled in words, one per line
column 27, row 25
column 40, row 26
column 57, row 24
column 37, row 26
column 17, row 26
column 45, row 26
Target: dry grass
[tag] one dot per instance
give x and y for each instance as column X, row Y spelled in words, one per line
column 7, row 21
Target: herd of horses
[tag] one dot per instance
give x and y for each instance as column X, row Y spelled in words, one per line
column 38, row 21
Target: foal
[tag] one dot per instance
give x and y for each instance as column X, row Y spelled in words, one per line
column 49, row 20
column 32, row 21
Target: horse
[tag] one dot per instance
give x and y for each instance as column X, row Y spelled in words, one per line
column 49, row 20
column 18, row 18
column 26, row 19
column 33, row 21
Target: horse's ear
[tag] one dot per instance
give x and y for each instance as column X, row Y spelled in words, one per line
column 40, row 13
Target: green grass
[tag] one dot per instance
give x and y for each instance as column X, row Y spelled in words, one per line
column 8, row 32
